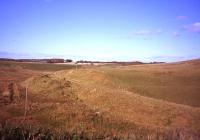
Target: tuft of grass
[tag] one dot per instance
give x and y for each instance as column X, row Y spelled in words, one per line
column 15, row 112
column 32, row 133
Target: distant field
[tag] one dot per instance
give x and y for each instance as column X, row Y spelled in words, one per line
column 179, row 83
column 37, row 66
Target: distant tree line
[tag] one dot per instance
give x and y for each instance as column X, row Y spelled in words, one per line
column 111, row 62
column 53, row 60
column 60, row 60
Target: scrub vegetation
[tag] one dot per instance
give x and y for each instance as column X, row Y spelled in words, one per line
column 136, row 102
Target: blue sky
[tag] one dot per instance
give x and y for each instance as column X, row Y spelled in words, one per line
column 123, row 30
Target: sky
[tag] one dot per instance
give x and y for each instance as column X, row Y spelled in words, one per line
column 104, row 30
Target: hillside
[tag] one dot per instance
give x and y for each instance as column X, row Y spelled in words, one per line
column 158, row 101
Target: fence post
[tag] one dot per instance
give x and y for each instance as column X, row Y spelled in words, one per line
column 26, row 100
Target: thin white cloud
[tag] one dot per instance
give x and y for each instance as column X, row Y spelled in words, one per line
column 144, row 32
column 195, row 27
column 181, row 17
column 148, row 32
column 176, row 34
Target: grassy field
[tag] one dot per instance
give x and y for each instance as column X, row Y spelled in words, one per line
column 142, row 102
column 167, row 82
column 37, row 66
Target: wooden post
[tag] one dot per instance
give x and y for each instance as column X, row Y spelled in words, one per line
column 26, row 101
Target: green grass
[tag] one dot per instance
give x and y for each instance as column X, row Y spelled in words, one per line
column 37, row 66
column 174, row 87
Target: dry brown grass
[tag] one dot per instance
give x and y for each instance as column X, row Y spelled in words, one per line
column 177, row 82
column 130, row 102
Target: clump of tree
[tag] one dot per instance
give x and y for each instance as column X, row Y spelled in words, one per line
column 55, row 61
column 68, row 60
